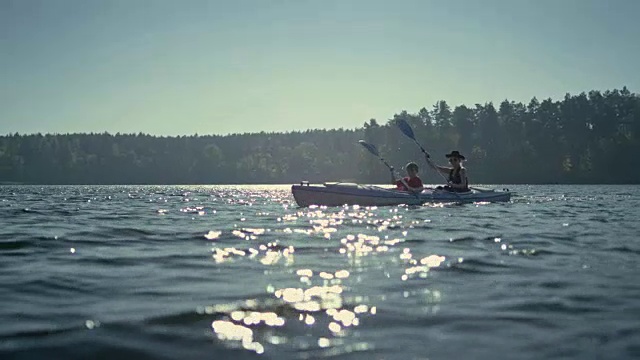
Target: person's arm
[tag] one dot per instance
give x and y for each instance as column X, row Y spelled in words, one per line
column 416, row 189
column 443, row 169
column 395, row 181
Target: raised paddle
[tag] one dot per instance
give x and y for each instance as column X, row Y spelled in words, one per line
column 408, row 131
column 374, row 150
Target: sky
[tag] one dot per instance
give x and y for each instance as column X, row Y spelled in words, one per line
column 168, row 67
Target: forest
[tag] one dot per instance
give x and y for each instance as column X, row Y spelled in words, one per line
column 591, row 137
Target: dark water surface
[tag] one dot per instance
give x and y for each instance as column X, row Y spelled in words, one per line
column 214, row 272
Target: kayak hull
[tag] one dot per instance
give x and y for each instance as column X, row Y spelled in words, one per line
column 338, row 194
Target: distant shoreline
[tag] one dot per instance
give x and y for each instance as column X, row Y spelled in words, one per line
column 589, row 138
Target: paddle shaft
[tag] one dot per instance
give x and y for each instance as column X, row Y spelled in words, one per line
column 374, row 151
column 428, row 158
column 393, row 171
column 408, row 131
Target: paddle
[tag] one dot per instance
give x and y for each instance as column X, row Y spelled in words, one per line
column 408, row 131
column 372, row 149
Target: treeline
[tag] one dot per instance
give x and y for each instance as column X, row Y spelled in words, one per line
column 592, row 137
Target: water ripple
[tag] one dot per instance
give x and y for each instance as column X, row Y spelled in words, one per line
column 241, row 272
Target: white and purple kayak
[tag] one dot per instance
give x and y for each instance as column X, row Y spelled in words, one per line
column 338, row 194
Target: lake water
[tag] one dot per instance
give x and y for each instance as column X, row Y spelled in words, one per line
column 215, row 272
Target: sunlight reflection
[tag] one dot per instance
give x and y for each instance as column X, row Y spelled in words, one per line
column 334, row 327
column 212, row 235
column 90, row 324
column 315, row 303
column 305, row 272
column 244, row 324
column 346, row 317
column 326, row 275
column 361, row 309
column 272, row 254
column 226, row 330
column 309, row 319
column 421, row 270
column 432, row 260
column 324, row 342
column 362, row 245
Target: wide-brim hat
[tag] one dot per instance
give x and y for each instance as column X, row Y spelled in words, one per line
column 455, row 153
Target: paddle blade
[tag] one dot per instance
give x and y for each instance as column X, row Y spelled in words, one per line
column 405, row 128
column 372, row 148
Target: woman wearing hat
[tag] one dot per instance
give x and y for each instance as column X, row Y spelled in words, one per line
column 457, row 175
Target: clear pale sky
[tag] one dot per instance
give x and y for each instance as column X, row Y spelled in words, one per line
column 182, row 67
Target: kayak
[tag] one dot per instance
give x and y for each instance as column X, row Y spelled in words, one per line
column 338, row 194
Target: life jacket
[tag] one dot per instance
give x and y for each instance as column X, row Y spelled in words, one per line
column 455, row 178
